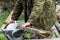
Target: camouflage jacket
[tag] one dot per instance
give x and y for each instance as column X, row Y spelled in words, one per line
column 43, row 14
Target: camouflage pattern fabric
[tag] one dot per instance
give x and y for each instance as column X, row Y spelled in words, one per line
column 43, row 14
column 18, row 8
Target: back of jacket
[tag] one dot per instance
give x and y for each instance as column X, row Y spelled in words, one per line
column 43, row 14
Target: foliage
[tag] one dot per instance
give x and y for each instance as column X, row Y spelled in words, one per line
column 27, row 35
column 3, row 17
column 2, row 37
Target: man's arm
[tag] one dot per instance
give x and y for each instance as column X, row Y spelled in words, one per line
column 35, row 14
column 33, row 17
column 28, row 8
column 17, row 10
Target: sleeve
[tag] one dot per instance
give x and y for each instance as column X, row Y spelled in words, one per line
column 32, row 18
column 28, row 8
column 18, row 8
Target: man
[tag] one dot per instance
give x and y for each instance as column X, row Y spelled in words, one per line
column 42, row 16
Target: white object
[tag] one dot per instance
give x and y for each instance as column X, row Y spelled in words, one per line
column 57, row 6
column 12, row 26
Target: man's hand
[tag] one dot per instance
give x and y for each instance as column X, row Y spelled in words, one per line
column 25, row 25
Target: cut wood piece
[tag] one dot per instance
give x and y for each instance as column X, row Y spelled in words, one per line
column 37, row 30
column 42, row 33
column 9, row 17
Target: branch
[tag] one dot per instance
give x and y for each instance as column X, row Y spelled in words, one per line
column 42, row 33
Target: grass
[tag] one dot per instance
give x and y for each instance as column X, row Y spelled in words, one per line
column 2, row 37
column 3, row 17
